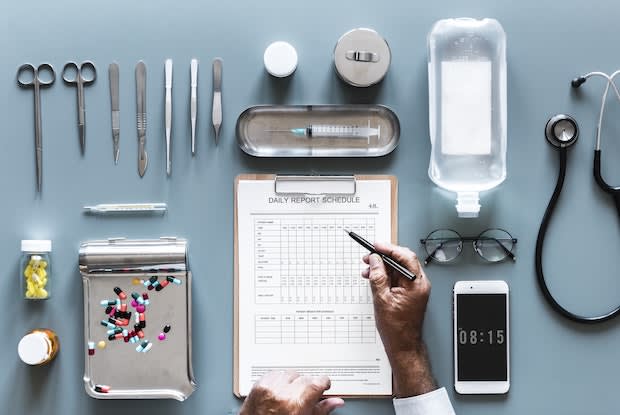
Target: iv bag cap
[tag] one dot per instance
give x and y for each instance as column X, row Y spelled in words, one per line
column 34, row 245
column 280, row 59
column 33, row 348
column 468, row 204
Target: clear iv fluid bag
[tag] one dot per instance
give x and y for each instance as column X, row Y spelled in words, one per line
column 467, row 108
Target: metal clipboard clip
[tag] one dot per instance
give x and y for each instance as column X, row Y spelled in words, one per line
column 315, row 185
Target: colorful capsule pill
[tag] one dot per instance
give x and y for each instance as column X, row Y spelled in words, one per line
column 173, row 280
column 91, row 348
column 102, row 388
column 106, row 303
column 147, row 283
column 108, row 324
column 167, row 328
column 123, row 308
column 109, row 309
column 142, row 346
column 147, row 348
column 140, row 309
column 162, row 285
column 136, row 281
column 120, row 293
column 162, row 336
column 153, row 279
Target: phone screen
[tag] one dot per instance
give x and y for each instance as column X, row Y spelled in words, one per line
column 481, row 337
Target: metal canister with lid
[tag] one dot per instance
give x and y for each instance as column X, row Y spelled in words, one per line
column 362, row 57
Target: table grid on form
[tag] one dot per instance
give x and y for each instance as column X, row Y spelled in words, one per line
column 315, row 328
column 311, row 260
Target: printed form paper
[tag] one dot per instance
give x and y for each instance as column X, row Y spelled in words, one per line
column 302, row 302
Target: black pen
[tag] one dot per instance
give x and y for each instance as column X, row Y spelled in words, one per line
column 395, row 265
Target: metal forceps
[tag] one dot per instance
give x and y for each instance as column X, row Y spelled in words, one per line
column 80, row 75
column 29, row 76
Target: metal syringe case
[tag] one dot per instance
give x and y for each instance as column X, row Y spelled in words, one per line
column 165, row 372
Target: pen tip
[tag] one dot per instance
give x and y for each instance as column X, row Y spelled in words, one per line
column 346, row 230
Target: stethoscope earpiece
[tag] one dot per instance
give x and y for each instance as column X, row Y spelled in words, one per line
column 562, row 131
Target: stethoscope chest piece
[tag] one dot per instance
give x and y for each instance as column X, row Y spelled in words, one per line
column 562, row 131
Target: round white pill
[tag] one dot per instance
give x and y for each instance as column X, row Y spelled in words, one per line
column 280, row 59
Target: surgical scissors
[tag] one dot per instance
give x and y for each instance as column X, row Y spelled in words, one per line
column 80, row 75
column 36, row 82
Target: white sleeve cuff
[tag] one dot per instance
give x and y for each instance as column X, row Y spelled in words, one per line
column 432, row 403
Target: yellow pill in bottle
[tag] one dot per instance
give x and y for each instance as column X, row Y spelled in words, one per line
column 36, row 269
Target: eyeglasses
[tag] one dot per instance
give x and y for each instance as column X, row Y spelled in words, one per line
column 445, row 245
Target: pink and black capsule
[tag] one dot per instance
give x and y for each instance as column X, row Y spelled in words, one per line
column 120, row 293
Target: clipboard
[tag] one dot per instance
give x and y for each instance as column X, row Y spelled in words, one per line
column 302, row 185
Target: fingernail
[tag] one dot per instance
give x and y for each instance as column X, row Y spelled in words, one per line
column 373, row 260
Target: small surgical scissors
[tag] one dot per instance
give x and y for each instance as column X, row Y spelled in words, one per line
column 29, row 76
column 80, row 75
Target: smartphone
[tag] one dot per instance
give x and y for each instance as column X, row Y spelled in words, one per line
column 481, row 337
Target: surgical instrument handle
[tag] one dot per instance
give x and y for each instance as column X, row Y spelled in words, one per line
column 217, row 96
column 37, row 135
column 194, row 100
column 168, row 113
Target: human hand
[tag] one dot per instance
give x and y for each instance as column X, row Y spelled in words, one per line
column 400, row 305
column 289, row 393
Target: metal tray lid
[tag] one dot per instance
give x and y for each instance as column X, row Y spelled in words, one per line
column 116, row 255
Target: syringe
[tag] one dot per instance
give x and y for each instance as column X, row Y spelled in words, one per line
column 334, row 131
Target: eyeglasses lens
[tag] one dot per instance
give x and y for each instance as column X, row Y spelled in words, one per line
column 443, row 245
column 494, row 245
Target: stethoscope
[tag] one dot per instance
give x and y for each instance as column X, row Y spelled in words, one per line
column 562, row 132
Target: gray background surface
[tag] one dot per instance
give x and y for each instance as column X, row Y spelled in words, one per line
column 557, row 366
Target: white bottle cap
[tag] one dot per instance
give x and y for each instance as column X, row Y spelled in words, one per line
column 468, row 204
column 34, row 348
column 36, row 245
column 280, row 59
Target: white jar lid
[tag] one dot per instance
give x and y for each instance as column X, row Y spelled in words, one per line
column 34, row 348
column 36, row 245
column 280, row 59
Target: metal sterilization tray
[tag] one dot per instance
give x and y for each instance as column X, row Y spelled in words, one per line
column 266, row 131
column 118, row 371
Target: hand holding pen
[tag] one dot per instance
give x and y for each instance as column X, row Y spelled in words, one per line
column 400, row 305
column 386, row 258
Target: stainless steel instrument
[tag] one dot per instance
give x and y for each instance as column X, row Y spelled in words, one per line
column 217, row 96
column 116, row 114
column 80, row 75
column 194, row 100
column 141, row 116
column 168, row 110
column 29, row 76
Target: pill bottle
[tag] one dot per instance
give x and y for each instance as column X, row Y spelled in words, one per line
column 38, row 347
column 36, row 269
